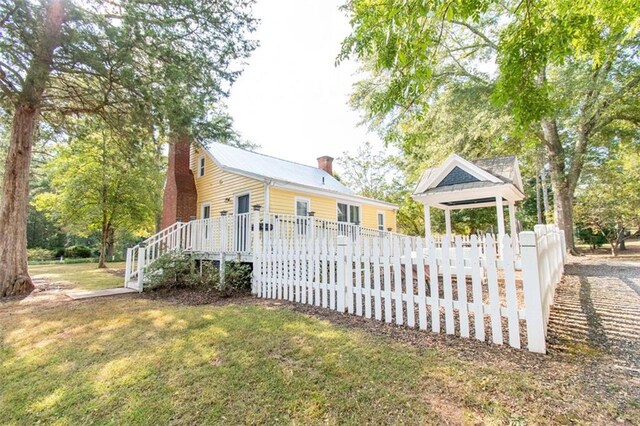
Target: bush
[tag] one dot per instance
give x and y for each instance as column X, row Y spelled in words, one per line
column 77, row 252
column 172, row 271
column 237, row 279
column 179, row 270
column 588, row 236
column 40, row 254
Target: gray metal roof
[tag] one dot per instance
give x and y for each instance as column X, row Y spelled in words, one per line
column 265, row 166
column 504, row 168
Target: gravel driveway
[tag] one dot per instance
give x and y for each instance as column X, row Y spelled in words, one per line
column 597, row 312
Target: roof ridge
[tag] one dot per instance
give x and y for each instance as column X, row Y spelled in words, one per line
column 271, row 156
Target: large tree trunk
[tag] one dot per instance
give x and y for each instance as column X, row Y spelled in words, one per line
column 14, row 275
column 562, row 189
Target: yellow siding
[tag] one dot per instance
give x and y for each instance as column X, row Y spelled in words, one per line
column 217, row 185
column 283, row 201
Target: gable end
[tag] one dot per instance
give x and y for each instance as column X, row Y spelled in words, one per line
column 457, row 176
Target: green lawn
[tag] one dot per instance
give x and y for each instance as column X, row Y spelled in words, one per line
column 131, row 360
column 80, row 275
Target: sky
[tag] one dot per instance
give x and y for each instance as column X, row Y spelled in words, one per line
column 291, row 98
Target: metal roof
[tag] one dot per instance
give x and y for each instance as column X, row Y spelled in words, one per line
column 267, row 167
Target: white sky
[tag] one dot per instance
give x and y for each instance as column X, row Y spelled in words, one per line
column 291, row 98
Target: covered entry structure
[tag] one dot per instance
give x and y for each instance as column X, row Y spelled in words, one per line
column 461, row 184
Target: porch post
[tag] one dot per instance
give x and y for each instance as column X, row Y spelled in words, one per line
column 447, row 220
column 427, row 221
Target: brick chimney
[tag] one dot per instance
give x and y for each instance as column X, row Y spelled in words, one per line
column 180, row 195
column 326, row 163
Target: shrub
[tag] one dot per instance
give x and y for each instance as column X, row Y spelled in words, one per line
column 40, row 254
column 175, row 270
column 179, row 270
column 237, row 279
column 77, row 252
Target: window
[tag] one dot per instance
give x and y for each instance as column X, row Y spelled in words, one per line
column 348, row 213
column 380, row 221
column 201, row 167
column 302, row 207
column 206, row 211
column 343, row 210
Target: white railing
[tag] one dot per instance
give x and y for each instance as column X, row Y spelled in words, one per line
column 448, row 285
column 170, row 239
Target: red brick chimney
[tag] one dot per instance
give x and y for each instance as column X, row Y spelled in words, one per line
column 326, row 163
column 180, row 194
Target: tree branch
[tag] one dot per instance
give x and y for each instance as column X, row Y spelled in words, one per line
column 477, row 32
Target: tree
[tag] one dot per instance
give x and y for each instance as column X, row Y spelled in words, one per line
column 103, row 182
column 368, row 171
column 168, row 63
column 608, row 204
column 563, row 72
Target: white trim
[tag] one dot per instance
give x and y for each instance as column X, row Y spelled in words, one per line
column 295, row 204
column 455, row 160
column 202, row 206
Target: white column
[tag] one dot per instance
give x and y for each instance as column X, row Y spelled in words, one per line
column 500, row 216
column 512, row 225
column 427, row 221
column 447, row 220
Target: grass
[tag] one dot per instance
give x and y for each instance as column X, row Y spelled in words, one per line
column 80, row 275
column 131, row 360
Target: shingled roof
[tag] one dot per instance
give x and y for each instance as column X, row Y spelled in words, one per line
column 504, row 170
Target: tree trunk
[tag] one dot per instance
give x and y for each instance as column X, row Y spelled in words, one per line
column 538, row 201
column 562, row 190
column 104, row 243
column 14, row 275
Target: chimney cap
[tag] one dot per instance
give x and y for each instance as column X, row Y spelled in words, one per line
column 325, row 157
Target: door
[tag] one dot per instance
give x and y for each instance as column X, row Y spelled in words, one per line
column 242, row 218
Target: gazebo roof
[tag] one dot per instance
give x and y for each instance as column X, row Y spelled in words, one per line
column 459, row 183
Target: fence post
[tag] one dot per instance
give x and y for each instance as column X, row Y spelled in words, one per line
column 531, row 284
column 341, row 284
column 141, row 262
column 127, row 268
column 563, row 243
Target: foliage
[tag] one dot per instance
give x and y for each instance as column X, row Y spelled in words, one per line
column 40, row 254
column 102, row 181
column 609, row 203
column 173, row 271
column 593, row 239
column 77, row 252
column 180, row 270
column 237, row 279
column 164, row 65
column 369, row 172
column 490, row 77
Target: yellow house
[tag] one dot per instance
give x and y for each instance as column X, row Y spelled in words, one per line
column 230, row 180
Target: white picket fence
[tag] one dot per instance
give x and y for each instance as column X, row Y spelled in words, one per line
column 466, row 287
